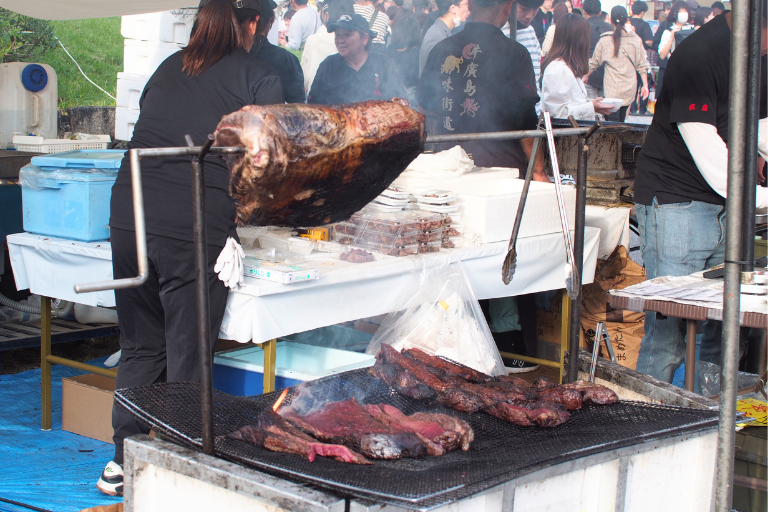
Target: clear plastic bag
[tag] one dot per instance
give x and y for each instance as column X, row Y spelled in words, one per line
column 442, row 317
column 709, row 380
column 33, row 177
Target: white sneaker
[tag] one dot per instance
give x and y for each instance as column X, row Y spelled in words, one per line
column 111, row 481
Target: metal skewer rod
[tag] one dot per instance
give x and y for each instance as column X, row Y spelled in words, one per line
column 574, row 333
column 200, row 229
column 524, row 134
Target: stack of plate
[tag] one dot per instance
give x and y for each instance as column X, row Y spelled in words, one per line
column 439, row 201
column 392, row 199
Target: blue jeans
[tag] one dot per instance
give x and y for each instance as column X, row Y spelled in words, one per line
column 678, row 239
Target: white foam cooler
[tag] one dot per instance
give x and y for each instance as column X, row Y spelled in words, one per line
column 489, row 208
column 143, row 57
column 168, row 26
column 125, row 120
column 129, row 89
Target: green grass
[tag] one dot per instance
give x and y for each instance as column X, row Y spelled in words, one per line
column 97, row 45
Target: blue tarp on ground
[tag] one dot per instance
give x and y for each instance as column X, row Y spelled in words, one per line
column 53, row 470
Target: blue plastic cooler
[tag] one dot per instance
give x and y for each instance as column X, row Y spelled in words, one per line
column 67, row 195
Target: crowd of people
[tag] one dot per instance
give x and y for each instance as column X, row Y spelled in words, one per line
column 598, row 55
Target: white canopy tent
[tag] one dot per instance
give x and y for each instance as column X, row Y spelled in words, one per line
column 82, row 9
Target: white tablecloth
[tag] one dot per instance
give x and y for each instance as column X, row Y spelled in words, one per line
column 614, row 228
column 263, row 310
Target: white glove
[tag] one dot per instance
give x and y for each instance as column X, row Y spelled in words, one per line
column 229, row 264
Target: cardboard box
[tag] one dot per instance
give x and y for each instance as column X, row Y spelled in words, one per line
column 87, row 406
column 270, row 271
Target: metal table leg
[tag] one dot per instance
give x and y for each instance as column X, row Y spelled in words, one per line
column 270, row 358
column 565, row 328
column 690, row 355
column 45, row 366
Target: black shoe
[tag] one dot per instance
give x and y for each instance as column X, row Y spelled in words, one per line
column 111, row 481
column 519, row 366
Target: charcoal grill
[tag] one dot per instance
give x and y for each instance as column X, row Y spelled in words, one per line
column 501, row 451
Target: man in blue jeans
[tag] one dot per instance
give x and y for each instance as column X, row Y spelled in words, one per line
column 681, row 182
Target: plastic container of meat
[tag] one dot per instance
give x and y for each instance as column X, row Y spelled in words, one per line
column 405, row 238
column 384, row 222
column 430, row 246
column 453, row 230
column 436, row 197
column 451, row 242
column 346, row 228
column 430, row 236
column 427, row 221
column 451, row 218
column 391, row 250
column 378, row 207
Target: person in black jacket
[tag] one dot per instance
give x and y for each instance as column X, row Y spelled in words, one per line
column 187, row 95
column 281, row 60
column 355, row 74
column 404, row 52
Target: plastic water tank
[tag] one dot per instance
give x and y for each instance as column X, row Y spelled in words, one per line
column 29, row 94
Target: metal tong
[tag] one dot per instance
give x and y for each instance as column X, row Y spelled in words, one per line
column 601, row 334
column 510, row 261
column 572, row 274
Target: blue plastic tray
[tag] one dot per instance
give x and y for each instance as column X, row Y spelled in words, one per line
column 81, row 159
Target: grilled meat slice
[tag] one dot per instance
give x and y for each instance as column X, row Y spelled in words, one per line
column 348, row 423
column 449, row 423
column 437, row 439
column 420, row 371
column 569, row 398
column 527, row 393
column 543, row 383
column 593, row 393
column 526, row 414
column 407, row 384
column 273, row 433
column 446, row 367
column 307, row 165
column 460, row 400
column 517, row 381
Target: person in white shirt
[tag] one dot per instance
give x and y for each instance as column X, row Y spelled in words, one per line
column 377, row 21
column 562, row 91
column 679, row 17
column 304, row 23
column 321, row 44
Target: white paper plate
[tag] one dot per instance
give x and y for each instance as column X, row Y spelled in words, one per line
column 389, row 201
column 439, row 208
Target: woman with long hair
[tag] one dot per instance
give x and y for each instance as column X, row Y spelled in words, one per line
column 624, row 57
column 187, row 95
column 558, row 12
column 562, row 90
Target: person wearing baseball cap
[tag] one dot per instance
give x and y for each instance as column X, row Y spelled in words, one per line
column 355, row 74
column 281, row 60
column 187, row 95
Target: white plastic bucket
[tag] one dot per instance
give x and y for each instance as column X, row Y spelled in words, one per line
column 28, row 100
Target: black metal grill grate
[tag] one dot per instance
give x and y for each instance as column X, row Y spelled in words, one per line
column 500, row 452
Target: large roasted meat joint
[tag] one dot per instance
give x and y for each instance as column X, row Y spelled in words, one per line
column 308, row 165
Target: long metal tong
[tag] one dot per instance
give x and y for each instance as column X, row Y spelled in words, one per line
column 572, row 274
column 510, row 261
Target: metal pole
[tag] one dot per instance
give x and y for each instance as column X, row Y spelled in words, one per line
column 203, row 307
column 513, row 22
column 522, row 134
column 574, row 333
column 753, row 116
column 734, row 228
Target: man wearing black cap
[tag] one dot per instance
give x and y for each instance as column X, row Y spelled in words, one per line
column 281, row 60
column 355, row 74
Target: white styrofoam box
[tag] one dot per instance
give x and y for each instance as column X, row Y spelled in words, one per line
column 167, row 26
column 143, row 57
column 489, row 208
column 125, row 120
column 417, row 183
column 129, row 89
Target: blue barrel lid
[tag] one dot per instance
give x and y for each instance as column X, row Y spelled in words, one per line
column 34, row 78
column 81, row 159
